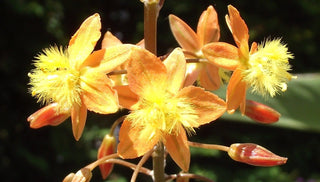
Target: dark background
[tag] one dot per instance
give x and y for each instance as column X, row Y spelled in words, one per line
column 50, row 153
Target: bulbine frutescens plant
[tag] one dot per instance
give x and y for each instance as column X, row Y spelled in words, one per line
column 167, row 96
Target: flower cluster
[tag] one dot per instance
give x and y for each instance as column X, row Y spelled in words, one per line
column 165, row 101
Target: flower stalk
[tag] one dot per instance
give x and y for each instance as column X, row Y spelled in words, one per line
column 151, row 11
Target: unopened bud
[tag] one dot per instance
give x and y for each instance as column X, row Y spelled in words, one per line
column 83, row 175
column 107, row 147
column 255, row 155
column 261, row 113
column 48, row 115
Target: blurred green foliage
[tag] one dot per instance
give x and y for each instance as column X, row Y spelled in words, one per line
column 50, row 153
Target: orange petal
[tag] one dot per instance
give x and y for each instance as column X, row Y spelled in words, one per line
column 254, row 47
column 208, row 29
column 97, row 92
column 127, row 98
column 84, row 40
column 48, row 115
column 78, row 119
column 184, row 35
column 109, row 40
column 209, row 77
column 236, row 91
column 141, row 43
column 237, row 26
column 178, row 148
column 207, row 105
column 110, row 58
column 222, row 54
column 145, row 70
column 192, row 73
column 176, row 70
column 135, row 141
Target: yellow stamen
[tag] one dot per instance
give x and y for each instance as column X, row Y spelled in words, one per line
column 53, row 79
column 267, row 70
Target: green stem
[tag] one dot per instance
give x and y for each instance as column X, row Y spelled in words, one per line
column 158, row 163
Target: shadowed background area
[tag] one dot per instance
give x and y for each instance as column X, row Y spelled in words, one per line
column 50, row 153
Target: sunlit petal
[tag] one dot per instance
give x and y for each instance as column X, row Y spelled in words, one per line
column 178, row 148
column 78, row 119
column 176, row 69
column 98, row 94
column 208, row 29
column 109, row 40
column 237, row 26
column 222, row 54
column 209, row 77
column 126, row 97
column 184, row 35
column 236, row 91
column 135, row 140
column 84, row 40
column 145, row 70
column 207, row 105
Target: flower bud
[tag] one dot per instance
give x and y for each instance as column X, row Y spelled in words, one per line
column 48, row 115
column 255, row 155
column 107, row 147
column 83, row 175
column 261, row 113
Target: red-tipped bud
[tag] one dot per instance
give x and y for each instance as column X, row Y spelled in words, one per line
column 83, row 175
column 48, row 115
column 261, row 113
column 255, row 155
column 107, row 147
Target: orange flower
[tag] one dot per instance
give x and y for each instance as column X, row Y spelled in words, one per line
column 164, row 111
column 208, row 30
column 75, row 79
column 264, row 67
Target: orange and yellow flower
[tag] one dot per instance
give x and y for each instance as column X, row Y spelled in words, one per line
column 208, row 30
column 165, row 110
column 74, row 80
column 264, row 67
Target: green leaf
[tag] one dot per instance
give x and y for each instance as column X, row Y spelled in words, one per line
column 299, row 105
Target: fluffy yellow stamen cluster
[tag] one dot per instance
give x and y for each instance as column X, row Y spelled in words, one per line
column 54, row 80
column 163, row 113
column 268, row 68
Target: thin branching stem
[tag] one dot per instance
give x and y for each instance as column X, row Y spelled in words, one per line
column 139, row 165
column 116, row 123
column 209, row 146
column 130, row 165
column 189, row 176
column 101, row 161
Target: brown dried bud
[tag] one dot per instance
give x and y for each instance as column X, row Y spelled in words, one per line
column 255, row 155
column 83, row 175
